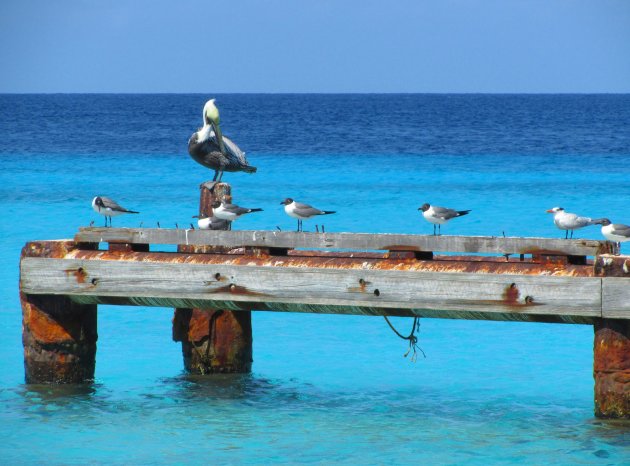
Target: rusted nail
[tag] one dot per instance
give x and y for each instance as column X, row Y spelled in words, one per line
column 513, row 285
column 529, row 299
column 217, row 276
column 94, row 281
column 361, row 282
column 377, row 292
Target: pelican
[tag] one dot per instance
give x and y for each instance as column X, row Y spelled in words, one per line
column 109, row 208
column 439, row 215
column 211, row 149
column 302, row 211
column 567, row 221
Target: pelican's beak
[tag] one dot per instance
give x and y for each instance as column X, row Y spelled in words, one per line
column 219, row 135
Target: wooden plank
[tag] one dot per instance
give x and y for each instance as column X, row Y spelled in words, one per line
column 349, row 241
column 385, row 289
column 616, row 298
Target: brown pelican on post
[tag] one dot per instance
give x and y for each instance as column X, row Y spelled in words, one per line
column 211, row 149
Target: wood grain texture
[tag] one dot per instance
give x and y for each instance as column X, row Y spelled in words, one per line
column 351, row 241
column 383, row 289
column 616, row 298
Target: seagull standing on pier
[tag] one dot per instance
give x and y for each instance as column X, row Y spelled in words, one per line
column 439, row 215
column 109, row 208
column 567, row 221
column 211, row 223
column 302, row 211
column 616, row 232
column 211, row 149
column 230, row 212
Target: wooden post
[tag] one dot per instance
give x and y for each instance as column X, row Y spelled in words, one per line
column 213, row 341
column 611, row 352
column 59, row 336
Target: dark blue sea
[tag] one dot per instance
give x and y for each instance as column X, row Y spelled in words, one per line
column 324, row 389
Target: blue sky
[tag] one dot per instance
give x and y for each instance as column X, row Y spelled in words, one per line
column 316, row 46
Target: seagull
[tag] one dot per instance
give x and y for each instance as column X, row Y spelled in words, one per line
column 230, row 212
column 439, row 215
column 568, row 221
column 211, row 223
column 616, row 232
column 301, row 211
column 211, row 149
column 109, row 208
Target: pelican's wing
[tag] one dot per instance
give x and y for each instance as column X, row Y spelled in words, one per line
column 233, row 151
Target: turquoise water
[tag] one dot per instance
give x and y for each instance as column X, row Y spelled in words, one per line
column 324, row 389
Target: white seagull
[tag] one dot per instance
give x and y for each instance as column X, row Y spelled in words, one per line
column 211, row 149
column 439, row 215
column 302, row 211
column 109, row 208
column 567, row 221
column 211, row 223
column 230, row 212
column 616, row 232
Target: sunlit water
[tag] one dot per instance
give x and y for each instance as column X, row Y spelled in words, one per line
column 324, row 389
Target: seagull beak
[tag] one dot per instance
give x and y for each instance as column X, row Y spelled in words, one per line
column 549, row 211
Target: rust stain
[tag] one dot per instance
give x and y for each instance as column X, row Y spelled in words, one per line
column 511, row 294
column 237, row 290
column 344, row 260
column 79, row 274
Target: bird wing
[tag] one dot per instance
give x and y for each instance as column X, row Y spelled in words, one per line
column 443, row 212
column 621, row 230
column 306, row 210
column 234, row 209
column 233, row 151
column 111, row 204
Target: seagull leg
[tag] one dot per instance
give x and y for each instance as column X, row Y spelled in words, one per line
column 566, row 234
column 216, row 173
column 439, row 229
column 434, row 225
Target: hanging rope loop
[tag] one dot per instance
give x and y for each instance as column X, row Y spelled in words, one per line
column 412, row 338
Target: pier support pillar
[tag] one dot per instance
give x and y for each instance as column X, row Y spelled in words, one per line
column 213, row 341
column 59, row 336
column 611, row 368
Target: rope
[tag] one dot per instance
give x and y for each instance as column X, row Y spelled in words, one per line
column 412, row 338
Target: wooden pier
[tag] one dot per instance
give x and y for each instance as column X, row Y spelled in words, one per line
column 216, row 278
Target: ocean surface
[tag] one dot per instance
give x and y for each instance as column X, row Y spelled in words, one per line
column 324, row 389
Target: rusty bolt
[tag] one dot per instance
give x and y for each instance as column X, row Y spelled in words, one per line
column 217, row 276
column 529, row 299
column 94, row 281
column 377, row 292
column 361, row 282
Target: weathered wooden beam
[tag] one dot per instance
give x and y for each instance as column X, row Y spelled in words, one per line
column 352, row 289
column 350, row 241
